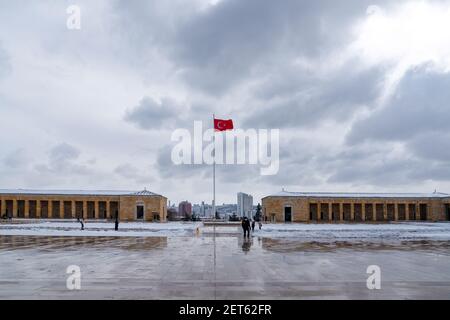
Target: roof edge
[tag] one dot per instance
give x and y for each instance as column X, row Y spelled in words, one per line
column 62, row 192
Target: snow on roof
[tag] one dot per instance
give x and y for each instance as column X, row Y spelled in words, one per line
column 78, row 192
column 358, row 195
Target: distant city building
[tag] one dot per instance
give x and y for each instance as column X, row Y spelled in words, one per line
column 206, row 210
column 172, row 214
column 226, row 210
column 244, row 205
column 196, row 209
column 185, row 209
column 202, row 209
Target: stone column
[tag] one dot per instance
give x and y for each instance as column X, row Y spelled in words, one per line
column 27, row 209
column 108, row 210
column 417, row 211
column 407, row 211
column 38, row 209
column 3, row 211
column 384, row 211
column 330, row 212
column 352, row 211
column 50, row 209
column 396, row 211
column 374, row 211
column 74, row 210
column 85, row 210
column 363, row 211
column 61, row 209
column 14, row 213
column 341, row 211
column 319, row 210
column 96, row 210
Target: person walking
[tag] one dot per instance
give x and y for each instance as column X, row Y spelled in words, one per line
column 81, row 222
column 246, row 227
column 116, row 223
column 260, row 225
column 253, row 225
column 243, row 226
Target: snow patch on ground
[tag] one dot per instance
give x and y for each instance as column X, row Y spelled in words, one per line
column 103, row 229
column 402, row 231
column 310, row 232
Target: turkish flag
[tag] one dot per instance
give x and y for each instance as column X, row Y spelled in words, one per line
column 223, row 125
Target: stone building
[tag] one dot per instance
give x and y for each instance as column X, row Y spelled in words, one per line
column 63, row 204
column 355, row 207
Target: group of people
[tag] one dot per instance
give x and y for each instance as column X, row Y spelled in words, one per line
column 246, row 226
column 6, row 216
column 81, row 221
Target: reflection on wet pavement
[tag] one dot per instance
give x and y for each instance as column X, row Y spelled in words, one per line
column 285, row 245
column 80, row 243
column 255, row 268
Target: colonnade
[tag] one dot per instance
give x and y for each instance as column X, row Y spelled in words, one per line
column 367, row 211
column 58, row 208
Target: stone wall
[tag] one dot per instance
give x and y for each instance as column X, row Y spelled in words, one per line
column 315, row 209
column 91, row 207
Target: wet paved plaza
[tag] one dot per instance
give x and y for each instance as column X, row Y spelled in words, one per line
column 192, row 267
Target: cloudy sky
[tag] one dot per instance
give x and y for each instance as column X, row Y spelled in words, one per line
column 360, row 91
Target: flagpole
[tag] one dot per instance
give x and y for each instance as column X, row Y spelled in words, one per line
column 214, row 205
column 214, row 171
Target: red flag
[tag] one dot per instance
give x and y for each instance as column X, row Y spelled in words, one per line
column 223, row 125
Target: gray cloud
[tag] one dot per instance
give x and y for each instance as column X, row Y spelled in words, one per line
column 18, row 159
column 236, row 40
column 63, row 159
column 149, row 114
column 131, row 172
column 226, row 173
column 389, row 172
column 420, row 105
column 266, row 64
column 5, row 65
column 127, row 170
column 431, row 146
column 168, row 169
column 301, row 102
column 217, row 49
column 417, row 118
column 63, row 152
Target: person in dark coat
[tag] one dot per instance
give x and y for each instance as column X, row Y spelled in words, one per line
column 81, row 222
column 116, row 224
column 253, row 225
column 246, row 227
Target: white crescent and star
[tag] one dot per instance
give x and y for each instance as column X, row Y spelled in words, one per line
column 219, row 125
